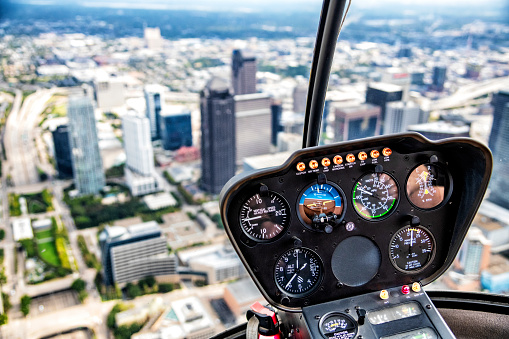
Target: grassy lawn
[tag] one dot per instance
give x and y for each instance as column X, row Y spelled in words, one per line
column 48, row 253
column 43, row 234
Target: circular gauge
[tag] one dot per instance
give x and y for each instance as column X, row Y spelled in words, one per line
column 263, row 218
column 298, row 271
column 319, row 199
column 338, row 325
column 411, row 249
column 375, row 195
column 427, row 186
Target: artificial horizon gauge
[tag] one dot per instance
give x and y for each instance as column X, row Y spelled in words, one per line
column 411, row 249
column 263, row 218
column 298, row 271
column 338, row 325
column 375, row 195
column 427, row 186
column 320, row 199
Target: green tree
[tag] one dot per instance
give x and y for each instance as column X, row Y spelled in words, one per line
column 133, row 290
column 25, row 304
column 78, row 285
column 2, row 234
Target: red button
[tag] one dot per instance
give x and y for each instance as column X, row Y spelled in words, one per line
column 405, row 289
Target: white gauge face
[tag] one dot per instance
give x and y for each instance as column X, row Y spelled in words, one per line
column 264, row 218
column 375, row 195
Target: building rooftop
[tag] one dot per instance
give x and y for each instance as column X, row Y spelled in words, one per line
column 170, row 110
column 251, row 96
column 439, row 127
column 159, row 200
column 266, row 160
column 493, row 211
column 358, row 108
column 244, row 291
column 382, row 86
column 22, row 229
column 120, row 233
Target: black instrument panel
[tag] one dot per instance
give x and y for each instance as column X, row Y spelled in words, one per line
column 345, row 219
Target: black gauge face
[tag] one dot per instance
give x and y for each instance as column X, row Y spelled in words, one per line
column 264, row 218
column 320, row 199
column 411, row 249
column 298, row 271
column 338, row 325
column 375, row 195
column 427, row 186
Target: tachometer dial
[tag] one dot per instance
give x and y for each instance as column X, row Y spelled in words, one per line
column 375, row 195
column 338, row 325
column 427, row 186
column 262, row 218
column 298, row 271
column 320, row 199
column 412, row 249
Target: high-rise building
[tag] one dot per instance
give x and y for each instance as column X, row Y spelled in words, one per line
column 217, row 135
column 439, row 77
column 500, row 177
column 252, row 125
column 441, row 130
column 405, row 52
column 176, row 131
column 379, row 93
column 473, row 70
column 86, row 159
column 474, row 255
column 139, row 171
column 154, row 100
column 132, row 253
column 276, row 109
column 400, row 77
column 300, row 93
column 243, row 73
column 356, row 122
column 63, row 154
column 153, row 38
column 499, row 103
column 110, row 92
column 399, row 115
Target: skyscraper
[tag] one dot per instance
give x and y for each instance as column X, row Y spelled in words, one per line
column 63, row 154
column 399, row 115
column 474, row 255
column 439, row 77
column 500, row 177
column 139, row 169
column 135, row 252
column 217, row 135
column 499, row 102
column 110, row 92
column 175, row 128
column 86, row 159
column 243, row 73
column 276, row 109
column 380, row 94
column 356, row 122
column 300, row 93
column 154, row 100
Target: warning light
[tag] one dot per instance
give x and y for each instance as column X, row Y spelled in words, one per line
column 405, row 289
column 301, row 166
column 325, row 162
column 313, row 164
column 384, row 295
column 350, row 158
column 386, row 151
column 362, row 156
column 338, row 160
column 375, row 154
column 416, row 287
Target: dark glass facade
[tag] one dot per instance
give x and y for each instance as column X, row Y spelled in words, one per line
column 62, row 151
column 176, row 131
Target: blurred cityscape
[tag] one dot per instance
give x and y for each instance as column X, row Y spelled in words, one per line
column 119, row 128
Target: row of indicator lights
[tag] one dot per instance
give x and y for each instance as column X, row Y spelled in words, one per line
column 405, row 289
column 338, row 159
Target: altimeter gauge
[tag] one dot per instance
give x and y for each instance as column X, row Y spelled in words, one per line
column 263, row 218
column 298, row 271
column 412, row 249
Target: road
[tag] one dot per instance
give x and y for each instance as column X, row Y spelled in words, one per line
column 469, row 92
column 20, row 136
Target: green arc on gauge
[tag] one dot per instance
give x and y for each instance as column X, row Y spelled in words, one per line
column 367, row 215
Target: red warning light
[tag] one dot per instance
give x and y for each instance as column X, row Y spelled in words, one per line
column 350, row 158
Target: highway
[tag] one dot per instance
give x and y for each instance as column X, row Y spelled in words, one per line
column 19, row 139
column 466, row 93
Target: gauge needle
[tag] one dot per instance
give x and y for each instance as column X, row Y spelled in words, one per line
column 295, row 274
column 253, row 218
column 365, row 191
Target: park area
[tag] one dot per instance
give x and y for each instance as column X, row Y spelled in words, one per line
column 40, row 202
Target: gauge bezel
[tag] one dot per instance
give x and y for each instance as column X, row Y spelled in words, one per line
column 330, row 183
column 336, row 313
column 318, row 282
column 281, row 233
column 447, row 195
column 394, row 206
column 430, row 260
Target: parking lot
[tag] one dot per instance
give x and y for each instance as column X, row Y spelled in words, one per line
column 53, row 302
